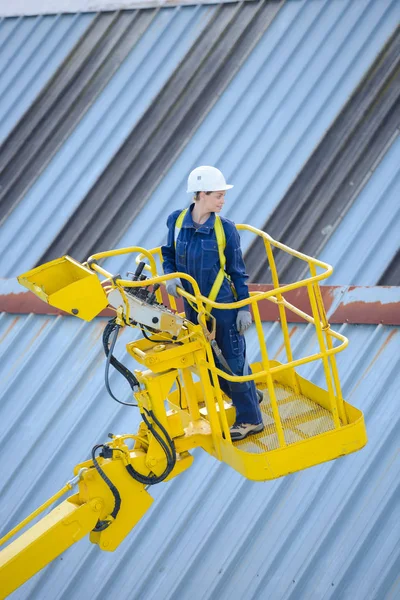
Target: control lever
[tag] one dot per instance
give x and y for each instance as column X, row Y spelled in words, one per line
column 152, row 296
column 138, row 272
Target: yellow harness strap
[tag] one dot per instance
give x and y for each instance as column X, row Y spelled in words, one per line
column 221, row 242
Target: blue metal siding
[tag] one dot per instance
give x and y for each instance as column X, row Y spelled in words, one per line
column 31, row 49
column 367, row 238
column 260, row 131
column 275, row 111
column 327, row 532
column 59, row 190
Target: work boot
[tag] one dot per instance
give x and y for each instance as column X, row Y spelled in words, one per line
column 239, row 431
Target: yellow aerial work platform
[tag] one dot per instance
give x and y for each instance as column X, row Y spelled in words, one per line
column 180, row 400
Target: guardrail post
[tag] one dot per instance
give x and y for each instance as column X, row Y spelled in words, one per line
column 282, row 312
column 318, row 328
column 270, row 382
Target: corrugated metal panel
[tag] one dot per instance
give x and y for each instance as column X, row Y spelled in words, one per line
column 62, row 104
column 276, row 110
column 31, row 49
column 392, row 274
column 46, row 207
column 328, row 532
column 338, row 170
column 260, row 132
column 35, row 7
column 367, row 238
column 164, row 130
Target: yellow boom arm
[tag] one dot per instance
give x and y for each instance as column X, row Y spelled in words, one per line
column 87, row 512
column 46, row 540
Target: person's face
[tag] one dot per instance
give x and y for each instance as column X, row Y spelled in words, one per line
column 213, row 202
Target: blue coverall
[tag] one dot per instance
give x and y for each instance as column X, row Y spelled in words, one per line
column 196, row 254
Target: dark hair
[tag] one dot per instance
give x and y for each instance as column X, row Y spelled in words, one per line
column 196, row 195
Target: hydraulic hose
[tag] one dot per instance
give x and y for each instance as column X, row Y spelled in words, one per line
column 167, row 444
column 169, row 449
column 101, row 525
column 110, row 328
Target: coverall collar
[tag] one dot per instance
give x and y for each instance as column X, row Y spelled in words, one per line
column 204, row 227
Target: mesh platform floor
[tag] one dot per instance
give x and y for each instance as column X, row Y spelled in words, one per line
column 301, row 419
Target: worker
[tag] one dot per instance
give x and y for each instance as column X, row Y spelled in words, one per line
column 192, row 248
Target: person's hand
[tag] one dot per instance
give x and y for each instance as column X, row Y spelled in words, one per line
column 171, row 286
column 243, row 321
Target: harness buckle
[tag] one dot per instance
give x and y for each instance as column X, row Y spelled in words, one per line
column 209, row 334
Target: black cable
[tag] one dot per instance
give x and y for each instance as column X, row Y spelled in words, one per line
column 125, row 372
column 170, row 452
column 179, row 392
column 167, row 446
column 154, row 341
column 101, row 525
column 129, row 376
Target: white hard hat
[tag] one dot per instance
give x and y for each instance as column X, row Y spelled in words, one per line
column 206, row 179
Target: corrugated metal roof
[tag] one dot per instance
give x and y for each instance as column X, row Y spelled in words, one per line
column 337, row 171
column 65, row 100
column 366, row 240
column 31, row 49
column 153, row 145
column 391, row 275
column 276, row 110
column 81, row 159
column 328, row 532
column 260, row 132
column 35, row 7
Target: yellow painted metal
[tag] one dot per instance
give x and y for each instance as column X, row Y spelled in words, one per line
column 191, row 351
column 36, row 513
column 135, row 500
column 190, row 395
column 298, row 456
column 46, row 540
column 332, row 357
column 159, row 357
column 268, row 376
column 281, row 307
column 67, row 284
column 275, row 461
column 183, row 462
column 304, row 425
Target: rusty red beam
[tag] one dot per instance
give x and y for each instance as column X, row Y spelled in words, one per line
column 344, row 304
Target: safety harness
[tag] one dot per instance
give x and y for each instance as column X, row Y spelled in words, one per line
column 221, row 242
